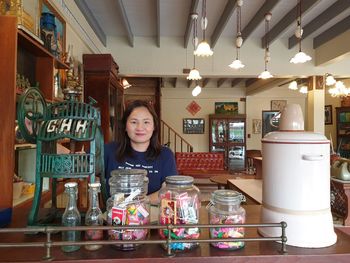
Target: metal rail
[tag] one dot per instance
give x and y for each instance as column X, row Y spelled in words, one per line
column 49, row 243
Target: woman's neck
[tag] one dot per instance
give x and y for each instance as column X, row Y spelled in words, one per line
column 140, row 147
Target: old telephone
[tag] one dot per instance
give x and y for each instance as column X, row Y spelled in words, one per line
column 340, row 169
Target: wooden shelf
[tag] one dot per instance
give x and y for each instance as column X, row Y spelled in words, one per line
column 24, row 146
column 35, row 48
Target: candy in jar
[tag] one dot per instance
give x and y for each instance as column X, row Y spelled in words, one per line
column 224, row 208
column 179, row 205
column 128, row 205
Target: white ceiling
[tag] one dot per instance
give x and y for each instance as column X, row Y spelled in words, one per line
column 130, row 19
column 173, row 16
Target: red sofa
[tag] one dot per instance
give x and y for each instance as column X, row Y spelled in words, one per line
column 200, row 164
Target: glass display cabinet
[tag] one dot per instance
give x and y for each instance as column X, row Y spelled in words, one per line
column 343, row 131
column 227, row 135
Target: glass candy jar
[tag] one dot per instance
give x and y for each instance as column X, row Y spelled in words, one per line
column 179, row 204
column 71, row 217
column 128, row 205
column 93, row 217
column 225, row 208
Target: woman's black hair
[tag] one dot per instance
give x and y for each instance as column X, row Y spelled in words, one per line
column 124, row 148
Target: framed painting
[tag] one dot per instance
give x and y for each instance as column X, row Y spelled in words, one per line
column 269, row 124
column 193, row 126
column 52, row 29
column 226, row 108
column 256, row 126
column 328, row 120
column 278, row 105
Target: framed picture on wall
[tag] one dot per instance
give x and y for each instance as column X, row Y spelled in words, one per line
column 278, row 105
column 193, row 126
column 328, row 120
column 269, row 125
column 226, row 107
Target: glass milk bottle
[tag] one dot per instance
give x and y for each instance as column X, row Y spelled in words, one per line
column 225, row 208
column 179, row 204
column 93, row 217
column 71, row 217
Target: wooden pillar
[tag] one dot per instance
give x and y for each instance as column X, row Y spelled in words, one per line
column 315, row 105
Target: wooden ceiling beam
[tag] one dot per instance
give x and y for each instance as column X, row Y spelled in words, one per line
column 220, row 82
column 323, row 18
column 174, row 82
column 189, row 83
column 286, row 21
column 258, row 18
column 205, row 82
column 332, row 32
column 264, row 84
column 90, row 18
column 125, row 20
column 250, row 82
column 224, row 18
column 236, row 81
column 193, row 9
column 158, row 22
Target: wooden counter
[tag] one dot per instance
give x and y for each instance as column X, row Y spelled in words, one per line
column 253, row 252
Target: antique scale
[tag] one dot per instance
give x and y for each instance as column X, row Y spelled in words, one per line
column 45, row 124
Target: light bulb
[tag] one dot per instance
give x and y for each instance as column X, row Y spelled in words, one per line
column 196, row 91
column 293, row 85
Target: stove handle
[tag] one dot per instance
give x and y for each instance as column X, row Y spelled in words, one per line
column 318, row 157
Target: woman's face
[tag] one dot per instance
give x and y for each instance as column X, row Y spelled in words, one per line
column 140, row 127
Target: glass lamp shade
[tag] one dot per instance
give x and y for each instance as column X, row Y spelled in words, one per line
column 236, row 64
column 265, row 75
column 196, row 91
column 330, row 80
column 293, row 85
column 303, row 89
column 194, row 75
column 203, row 50
column 339, row 90
column 300, row 57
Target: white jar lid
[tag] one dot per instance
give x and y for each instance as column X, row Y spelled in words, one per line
column 294, row 137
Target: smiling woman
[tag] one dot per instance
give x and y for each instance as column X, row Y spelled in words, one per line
column 138, row 146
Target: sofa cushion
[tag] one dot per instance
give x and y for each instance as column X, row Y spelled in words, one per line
column 199, row 162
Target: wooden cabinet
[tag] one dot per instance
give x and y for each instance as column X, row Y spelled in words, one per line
column 343, row 131
column 19, row 53
column 101, row 83
column 227, row 134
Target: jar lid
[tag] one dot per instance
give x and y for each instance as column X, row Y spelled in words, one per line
column 97, row 184
column 129, row 172
column 70, row 184
column 179, row 179
column 227, row 197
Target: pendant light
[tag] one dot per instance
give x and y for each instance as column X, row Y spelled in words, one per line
column 266, row 74
column 237, row 64
column 299, row 57
column 203, row 49
column 194, row 73
column 293, row 85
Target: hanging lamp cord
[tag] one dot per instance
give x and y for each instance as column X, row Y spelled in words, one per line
column 204, row 16
column 238, row 29
column 299, row 23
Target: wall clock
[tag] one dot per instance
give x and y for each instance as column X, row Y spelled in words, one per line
column 278, row 104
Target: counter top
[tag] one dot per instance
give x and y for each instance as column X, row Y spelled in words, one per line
column 267, row 251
